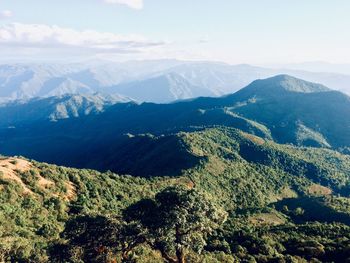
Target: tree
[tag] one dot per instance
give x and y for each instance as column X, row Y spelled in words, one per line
column 177, row 220
column 97, row 239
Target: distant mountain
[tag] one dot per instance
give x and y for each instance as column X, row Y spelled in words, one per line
column 334, row 81
column 279, row 86
column 296, row 111
column 55, row 108
column 156, row 81
column 163, row 88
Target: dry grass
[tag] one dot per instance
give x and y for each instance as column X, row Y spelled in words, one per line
column 71, row 192
column 271, row 219
column 319, row 190
column 9, row 168
column 44, row 183
column 255, row 139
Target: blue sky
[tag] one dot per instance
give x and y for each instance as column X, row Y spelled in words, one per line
column 235, row 31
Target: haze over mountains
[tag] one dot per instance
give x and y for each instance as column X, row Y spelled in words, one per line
column 157, row 81
column 315, row 66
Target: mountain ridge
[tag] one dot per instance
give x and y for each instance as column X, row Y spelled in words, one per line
column 313, row 119
column 55, row 108
column 25, row 81
column 287, row 83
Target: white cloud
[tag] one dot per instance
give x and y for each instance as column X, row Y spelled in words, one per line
column 4, row 14
column 204, row 39
column 136, row 4
column 41, row 36
column 39, row 42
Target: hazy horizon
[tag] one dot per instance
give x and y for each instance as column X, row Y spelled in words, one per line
column 235, row 32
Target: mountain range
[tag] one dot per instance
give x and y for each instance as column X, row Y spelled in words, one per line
column 55, row 108
column 158, row 81
column 266, row 168
column 283, row 109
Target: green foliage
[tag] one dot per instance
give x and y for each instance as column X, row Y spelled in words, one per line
column 250, row 177
column 178, row 220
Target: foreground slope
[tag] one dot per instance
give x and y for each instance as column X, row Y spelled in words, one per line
column 267, row 189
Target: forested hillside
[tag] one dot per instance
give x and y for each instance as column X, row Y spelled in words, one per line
column 225, row 196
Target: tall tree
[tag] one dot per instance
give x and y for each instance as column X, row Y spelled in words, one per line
column 98, row 239
column 178, row 221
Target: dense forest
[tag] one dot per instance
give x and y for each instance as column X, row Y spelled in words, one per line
column 225, row 196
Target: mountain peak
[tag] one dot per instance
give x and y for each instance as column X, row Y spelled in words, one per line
column 288, row 83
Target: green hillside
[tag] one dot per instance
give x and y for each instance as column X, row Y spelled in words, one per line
column 282, row 203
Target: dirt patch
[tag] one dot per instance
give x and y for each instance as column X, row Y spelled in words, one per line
column 319, row 190
column 44, row 183
column 71, row 192
column 186, row 182
column 267, row 219
column 215, row 166
column 255, row 139
column 9, row 168
column 15, row 164
column 286, row 192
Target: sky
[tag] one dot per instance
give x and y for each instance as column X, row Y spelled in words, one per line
column 233, row 31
